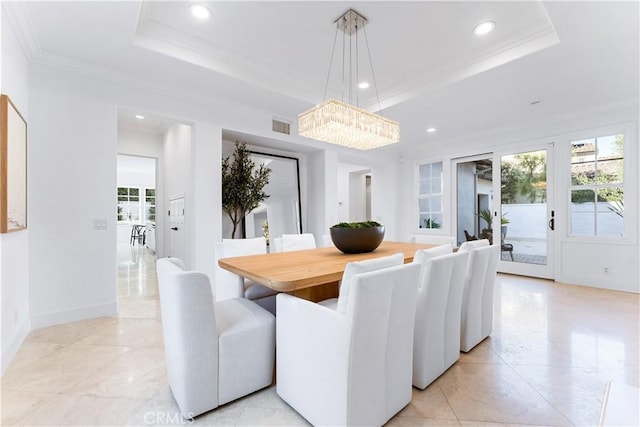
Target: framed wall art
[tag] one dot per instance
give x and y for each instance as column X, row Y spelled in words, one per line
column 13, row 167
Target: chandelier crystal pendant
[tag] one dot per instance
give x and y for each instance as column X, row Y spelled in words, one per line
column 339, row 122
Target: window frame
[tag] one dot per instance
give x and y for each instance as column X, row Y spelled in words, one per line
column 141, row 208
column 420, row 196
column 629, row 182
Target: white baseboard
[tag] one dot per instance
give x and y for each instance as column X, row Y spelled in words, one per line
column 10, row 351
column 65, row 316
column 630, row 285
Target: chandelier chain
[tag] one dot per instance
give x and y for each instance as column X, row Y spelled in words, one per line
column 357, row 69
column 326, row 85
column 342, row 123
column 344, row 51
column 373, row 74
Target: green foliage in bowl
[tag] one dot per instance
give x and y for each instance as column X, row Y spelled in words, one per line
column 364, row 224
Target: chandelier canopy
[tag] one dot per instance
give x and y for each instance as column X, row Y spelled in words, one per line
column 339, row 122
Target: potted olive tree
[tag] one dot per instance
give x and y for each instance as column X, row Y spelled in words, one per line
column 242, row 185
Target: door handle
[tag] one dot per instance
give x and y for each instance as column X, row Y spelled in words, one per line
column 552, row 221
column 174, row 228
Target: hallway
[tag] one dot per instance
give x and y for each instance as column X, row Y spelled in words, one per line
column 137, row 283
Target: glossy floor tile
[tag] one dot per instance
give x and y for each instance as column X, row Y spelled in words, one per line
column 553, row 350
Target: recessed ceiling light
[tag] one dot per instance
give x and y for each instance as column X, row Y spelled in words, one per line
column 200, row 11
column 484, row 28
column 363, row 85
column 139, row 117
column 431, row 130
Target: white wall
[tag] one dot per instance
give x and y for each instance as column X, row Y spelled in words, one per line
column 177, row 183
column 14, row 247
column 205, row 214
column 604, row 261
column 384, row 197
column 316, row 175
column 611, row 264
column 73, row 133
column 131, row 178
column 73, row 173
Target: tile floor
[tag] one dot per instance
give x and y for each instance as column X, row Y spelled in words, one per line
column 552, row 352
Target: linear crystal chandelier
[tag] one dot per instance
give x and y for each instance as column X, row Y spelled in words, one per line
column 339, row 122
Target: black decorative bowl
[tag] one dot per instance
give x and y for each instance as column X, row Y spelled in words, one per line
column 357, row 240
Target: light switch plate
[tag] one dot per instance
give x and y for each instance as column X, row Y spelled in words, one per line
column 100, row 224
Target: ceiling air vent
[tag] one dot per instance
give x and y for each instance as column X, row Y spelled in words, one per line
column 281, row 127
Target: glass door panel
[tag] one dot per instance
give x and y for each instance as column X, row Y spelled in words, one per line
column 526, row 218
column 474, row 186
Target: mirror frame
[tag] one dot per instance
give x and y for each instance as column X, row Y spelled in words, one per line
column 297, row 163
column 13, row 167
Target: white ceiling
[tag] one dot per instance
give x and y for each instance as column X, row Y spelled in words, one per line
column 139, row 165
column 430, row 69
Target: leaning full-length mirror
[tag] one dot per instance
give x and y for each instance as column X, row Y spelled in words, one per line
column 280, row 212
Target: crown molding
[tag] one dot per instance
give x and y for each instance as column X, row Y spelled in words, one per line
column 510, row 47
column 20, row 19
column 18, row 15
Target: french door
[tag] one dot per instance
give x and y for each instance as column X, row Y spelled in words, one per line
column 524, row 211
column 506, row 197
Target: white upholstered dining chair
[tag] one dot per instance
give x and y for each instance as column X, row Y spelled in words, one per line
column 477, row 299
column 230, row 285
column 431, row 239
column 293, row 242
column 436, row 344
column 296, row 242
column 215, row 352
column 352, row 367
column 472, row 244
column 358, row 267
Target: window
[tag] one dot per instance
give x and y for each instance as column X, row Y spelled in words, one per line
column 430, row 195
column 597, row 186
column 150, row 205
column 133, row 208
column 128, row 204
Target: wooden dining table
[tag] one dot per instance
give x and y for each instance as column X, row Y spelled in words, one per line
column 311, row 274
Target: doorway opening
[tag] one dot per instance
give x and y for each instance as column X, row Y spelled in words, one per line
column 474, row 197
column 354, row 193
column 136, row 234
column 503, row 197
